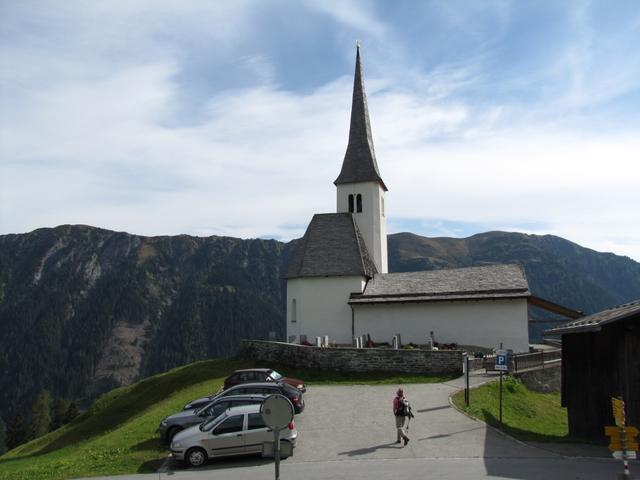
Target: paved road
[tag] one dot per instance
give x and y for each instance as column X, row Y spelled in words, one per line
column 350, row 432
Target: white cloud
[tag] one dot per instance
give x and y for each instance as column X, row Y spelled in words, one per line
column 581, row 189
column 352, row 13
column 87, row 138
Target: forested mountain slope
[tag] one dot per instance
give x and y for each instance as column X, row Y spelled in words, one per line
column 557, row 269
column 84, row 309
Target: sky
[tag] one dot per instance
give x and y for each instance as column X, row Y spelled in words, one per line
column 162, row 117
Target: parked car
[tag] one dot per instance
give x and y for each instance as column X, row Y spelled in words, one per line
column 188, row 418
column 252, row 375
column 262, row 388
column 237, row 431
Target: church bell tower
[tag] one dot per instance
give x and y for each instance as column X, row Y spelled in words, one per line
column 360, row 189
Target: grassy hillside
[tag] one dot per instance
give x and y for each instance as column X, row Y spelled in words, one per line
column 118, row 434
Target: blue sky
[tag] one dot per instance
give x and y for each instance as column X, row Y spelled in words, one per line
column 231, row 118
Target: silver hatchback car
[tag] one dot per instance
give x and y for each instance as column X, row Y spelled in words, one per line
column 237, row 431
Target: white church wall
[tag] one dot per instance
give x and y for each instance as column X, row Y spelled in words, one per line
column 321, row 307
column 482, row 323
column 372, row 221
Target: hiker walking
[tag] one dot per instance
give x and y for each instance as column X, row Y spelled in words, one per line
column 402, row 411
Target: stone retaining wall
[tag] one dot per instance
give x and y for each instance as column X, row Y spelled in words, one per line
column 476, row 364
column 347, row 359
column 546, row 380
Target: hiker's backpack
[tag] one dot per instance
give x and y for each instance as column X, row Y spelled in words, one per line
column 403, row 409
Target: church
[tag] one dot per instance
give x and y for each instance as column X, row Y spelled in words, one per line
column 338, row 283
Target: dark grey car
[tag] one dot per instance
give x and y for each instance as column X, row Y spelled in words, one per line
column 187, row 418
column 262, row 388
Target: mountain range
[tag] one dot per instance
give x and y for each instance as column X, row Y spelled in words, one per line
column 83, row 309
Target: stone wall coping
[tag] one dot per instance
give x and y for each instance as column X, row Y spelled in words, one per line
column 385, row 349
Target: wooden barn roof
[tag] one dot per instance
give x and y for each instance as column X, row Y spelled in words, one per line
column 473, row 283
column 594, row 322
column 331, row 246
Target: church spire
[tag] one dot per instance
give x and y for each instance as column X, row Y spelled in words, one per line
column 359, row 163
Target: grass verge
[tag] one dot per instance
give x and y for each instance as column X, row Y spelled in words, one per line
column 526, row 414
column 326, row 377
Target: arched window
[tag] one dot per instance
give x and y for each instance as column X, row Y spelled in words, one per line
column 350, row 203
column 359, row 203
column 294, row 312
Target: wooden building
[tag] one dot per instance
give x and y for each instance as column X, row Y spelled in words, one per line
column 600, row 360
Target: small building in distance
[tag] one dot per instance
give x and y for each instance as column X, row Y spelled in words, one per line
column 600, row 360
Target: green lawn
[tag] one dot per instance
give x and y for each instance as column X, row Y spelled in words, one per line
column 526, row 414
column 118, row 433
column 324, row 377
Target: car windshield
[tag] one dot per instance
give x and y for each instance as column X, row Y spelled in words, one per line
column 275, row 375
column 289, row 389
column 207, row 425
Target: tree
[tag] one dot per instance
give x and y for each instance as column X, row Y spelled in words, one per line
column 3, row 436
column 72, row 412
column 59, row 415
column 18, row 432
column 41, row 415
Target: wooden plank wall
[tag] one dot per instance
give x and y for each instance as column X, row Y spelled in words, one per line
column 595, row 367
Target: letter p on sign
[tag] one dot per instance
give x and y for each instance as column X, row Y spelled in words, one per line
column 501, row 361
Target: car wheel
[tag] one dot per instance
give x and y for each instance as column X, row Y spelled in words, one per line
column 196, row 457
column 172, row 433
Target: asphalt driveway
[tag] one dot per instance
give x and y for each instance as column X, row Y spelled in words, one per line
column 349, row 432
column 357, row 422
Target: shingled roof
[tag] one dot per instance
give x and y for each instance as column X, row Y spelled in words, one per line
column 359, row 163
column 594, row 322
column 473, row 283
column 331, row 246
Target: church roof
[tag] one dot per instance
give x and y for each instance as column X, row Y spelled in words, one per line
column 331, row 246
column 359, row 163
column 594, row 322
column 473, row 283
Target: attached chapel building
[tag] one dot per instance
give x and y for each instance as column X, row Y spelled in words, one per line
column 338, row 283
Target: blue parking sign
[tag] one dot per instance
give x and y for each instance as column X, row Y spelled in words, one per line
column 501, row 361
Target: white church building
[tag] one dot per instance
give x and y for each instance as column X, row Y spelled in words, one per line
column 338, row 283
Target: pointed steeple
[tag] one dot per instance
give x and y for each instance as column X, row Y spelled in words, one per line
column 359, row 163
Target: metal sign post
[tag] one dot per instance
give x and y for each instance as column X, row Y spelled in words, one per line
column 277, row 413
column 465, row 369
column 276, row 451
column 500, row 397
column 502, row 366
